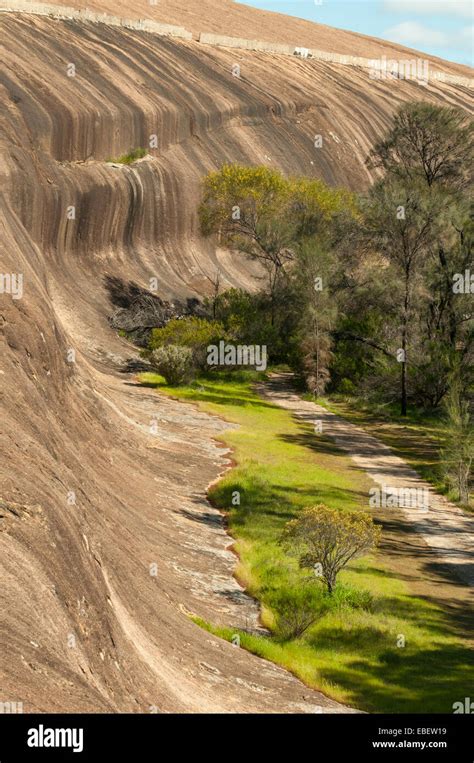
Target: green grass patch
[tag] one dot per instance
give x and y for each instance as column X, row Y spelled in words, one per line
column 130, row 157
column 352, row 651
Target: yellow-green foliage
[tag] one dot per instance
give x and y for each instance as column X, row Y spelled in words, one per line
column 331, row 539
column 313, row 196
column 187, row 332
column 257, row 190
column 190, row 332
column 265, row 196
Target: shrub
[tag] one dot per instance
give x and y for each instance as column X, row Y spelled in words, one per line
column 132, row 156
column 346, row 597
column 174, row 363
column 346, row 387
column 326, row 539
column 297, row 610
column 194, row 333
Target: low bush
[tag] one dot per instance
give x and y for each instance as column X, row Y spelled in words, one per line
column 351, row 598
column 174, row 363
column 191, row 332
column 297, row 609
column 132, row 156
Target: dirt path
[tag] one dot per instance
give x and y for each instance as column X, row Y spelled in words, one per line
column 447, row 531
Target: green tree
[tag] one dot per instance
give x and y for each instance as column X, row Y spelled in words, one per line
column 258, row 211
column 326, row 540
column 434, row 146
column 428, row 143
column 401, row 224
column 314, row 281
column 247, row 207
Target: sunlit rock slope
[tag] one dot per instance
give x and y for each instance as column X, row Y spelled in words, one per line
column 106, row 538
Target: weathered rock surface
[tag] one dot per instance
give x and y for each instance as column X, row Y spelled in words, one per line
column 226, row 17
column 100, row 478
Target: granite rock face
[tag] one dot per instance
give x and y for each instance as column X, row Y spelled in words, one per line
column 106, row 537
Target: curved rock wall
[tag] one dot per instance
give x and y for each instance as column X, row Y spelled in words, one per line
column 87, row 627
column 66, row 12
column 147, row 25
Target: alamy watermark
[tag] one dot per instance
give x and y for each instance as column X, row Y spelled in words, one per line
column 388, row 497
column 463, row 283
column 415, row 69
column 11, row 708
column 224, row 354
column 464, row 706
column 53, row 737
column 12, row 283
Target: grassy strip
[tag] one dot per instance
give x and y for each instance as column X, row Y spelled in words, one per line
column 352, row 652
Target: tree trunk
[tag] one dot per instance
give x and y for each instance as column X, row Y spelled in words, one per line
column 273, row 286
column 449, row 298
column 330, row 582
column 463, row 482
column 403, row 379
column 403, row 407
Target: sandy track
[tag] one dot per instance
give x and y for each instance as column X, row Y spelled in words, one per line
column 446, row 529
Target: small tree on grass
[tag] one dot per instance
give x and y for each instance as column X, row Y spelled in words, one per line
column 326, row 540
